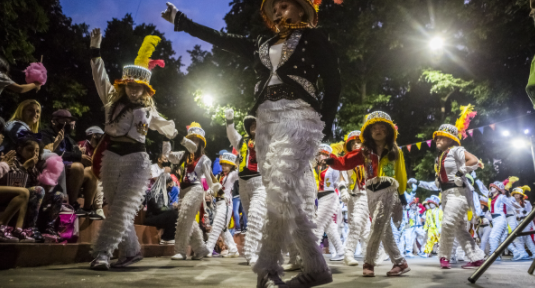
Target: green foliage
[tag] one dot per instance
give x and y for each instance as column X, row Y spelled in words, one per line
column 424, row 169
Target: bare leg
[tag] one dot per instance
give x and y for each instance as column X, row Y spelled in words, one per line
column 90, row 188
column 75, row 179
column 18, row 202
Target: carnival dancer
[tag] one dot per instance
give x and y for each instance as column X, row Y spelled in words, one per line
column 130, row 113
column 353, row 193
column 415, row 231
column 510, row 217
column 451, row 166
column 197, row 166
column 327, row 180
column 433, row 224
column 522, row 209
column 290, row 120
column 252, row 191
column 484, row 229
column 386, row 180
column 223, row 210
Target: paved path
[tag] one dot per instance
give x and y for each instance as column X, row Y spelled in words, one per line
column 219, row 272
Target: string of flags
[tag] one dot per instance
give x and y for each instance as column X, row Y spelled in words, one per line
column 429, row 142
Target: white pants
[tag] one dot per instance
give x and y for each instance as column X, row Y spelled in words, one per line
column 188, row 231
column 124, row 181
column 327, row 207
column 253, row 199
column 287, row 138
column 527, row 239
column 381, row 204
column 454, row 226
column 500, row 231
column 484, row 236
column 359, row 222
column 397, row 236
column 412, row 235
column 519, row 241
column 223, row 213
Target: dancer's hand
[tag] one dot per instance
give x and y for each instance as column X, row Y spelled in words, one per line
column 412, row 181
column 190, row 145
column 344, row 196
column 170, row 13
column 96, row 38
column 229, row 114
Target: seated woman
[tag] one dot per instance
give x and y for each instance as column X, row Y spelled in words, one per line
column 25, row 121
column 162, row 207
column 28, row 171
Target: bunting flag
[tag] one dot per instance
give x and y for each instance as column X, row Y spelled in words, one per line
column 493, row 126
column 481, row 129
column 471, row 132
column 419, row 145
column 429, row 143
column 409, row 147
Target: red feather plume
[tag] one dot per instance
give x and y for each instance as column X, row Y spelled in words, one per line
column 154, row 63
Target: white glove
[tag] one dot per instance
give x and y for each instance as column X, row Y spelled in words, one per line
column 216, row 188
column 190, row 145
column 170, row 13
column 229, row 114
column 344, row 196
column 412, row 181
column 166, row 148
column 96, row 38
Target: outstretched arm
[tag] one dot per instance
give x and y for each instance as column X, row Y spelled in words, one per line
column 162, row 125
column 233, row 136
column 100, row 76
column 347, row 162
column 236, row 44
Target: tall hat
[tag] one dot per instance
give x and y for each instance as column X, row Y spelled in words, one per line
column 195, row 130
column 508, row 183
column 351, row 136
column 376, row 117
column 459, row 130
column 228, row 158
column 325, row 149
column 521, row 190
column 140, row 72
column 434, row 199
column 426, row 201
column 498, row 185
column 247, row 122
column 484, row 203
column 311, row 8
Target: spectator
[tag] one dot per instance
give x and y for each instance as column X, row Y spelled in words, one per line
column 6, row 82
column 158, row 168
column 236, row 208
column 162, row 207
column 77, row 165
column 216, row 167
column 25, row 121
column 25, row 171
column 94, row 135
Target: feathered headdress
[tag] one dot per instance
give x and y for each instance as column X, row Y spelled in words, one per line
column 140, row 72
column 508, row 183
column 467, row 114
column 338, row 148
column 521, row 190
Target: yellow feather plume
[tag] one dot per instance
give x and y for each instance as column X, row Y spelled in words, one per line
column 467, row 114
column 525, row 188
column 146, row 50
column 511, row 181
column 338, row 148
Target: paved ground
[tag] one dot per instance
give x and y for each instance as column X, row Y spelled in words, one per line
column 219, row 272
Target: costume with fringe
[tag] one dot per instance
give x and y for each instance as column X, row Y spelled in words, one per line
column 521, row 211
column 252, row 191
column 415, row 230
column 385, row 185
column 124, row 167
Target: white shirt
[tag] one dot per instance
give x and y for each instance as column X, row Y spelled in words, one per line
column 155, row 170
column 275, row 55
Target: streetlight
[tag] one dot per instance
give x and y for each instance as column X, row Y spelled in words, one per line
column 437, row 43
column 207, row 100
column 506, row 133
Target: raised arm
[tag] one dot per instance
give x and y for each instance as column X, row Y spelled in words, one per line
column 233, row 136
column 100, row 76
column 482, row 187
column 236, row 44
column 175, row 157
column 163, row 126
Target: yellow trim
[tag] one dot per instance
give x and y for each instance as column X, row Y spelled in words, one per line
column 377, row 120
column 198, row 136
column 124, row 81
column 227, row 162
column 518, row 192
column 448, row 135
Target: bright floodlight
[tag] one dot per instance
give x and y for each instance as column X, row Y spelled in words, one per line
column 506, row 133
column 519, row 143
column 526, row 131
column 436, row 43
column 207, row 100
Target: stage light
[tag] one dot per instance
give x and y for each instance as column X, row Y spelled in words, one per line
column 506, row 133
column 519, row 143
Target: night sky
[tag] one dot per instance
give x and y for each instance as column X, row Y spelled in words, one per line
column 96, row 13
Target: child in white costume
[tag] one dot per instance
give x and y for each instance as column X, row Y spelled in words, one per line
column 223, row 210
column 197, row 165
column 125, row 169
column 523, row 208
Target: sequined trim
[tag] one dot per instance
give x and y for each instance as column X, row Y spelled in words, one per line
column 263, row 53
column 307, row 85
column 289, row 46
